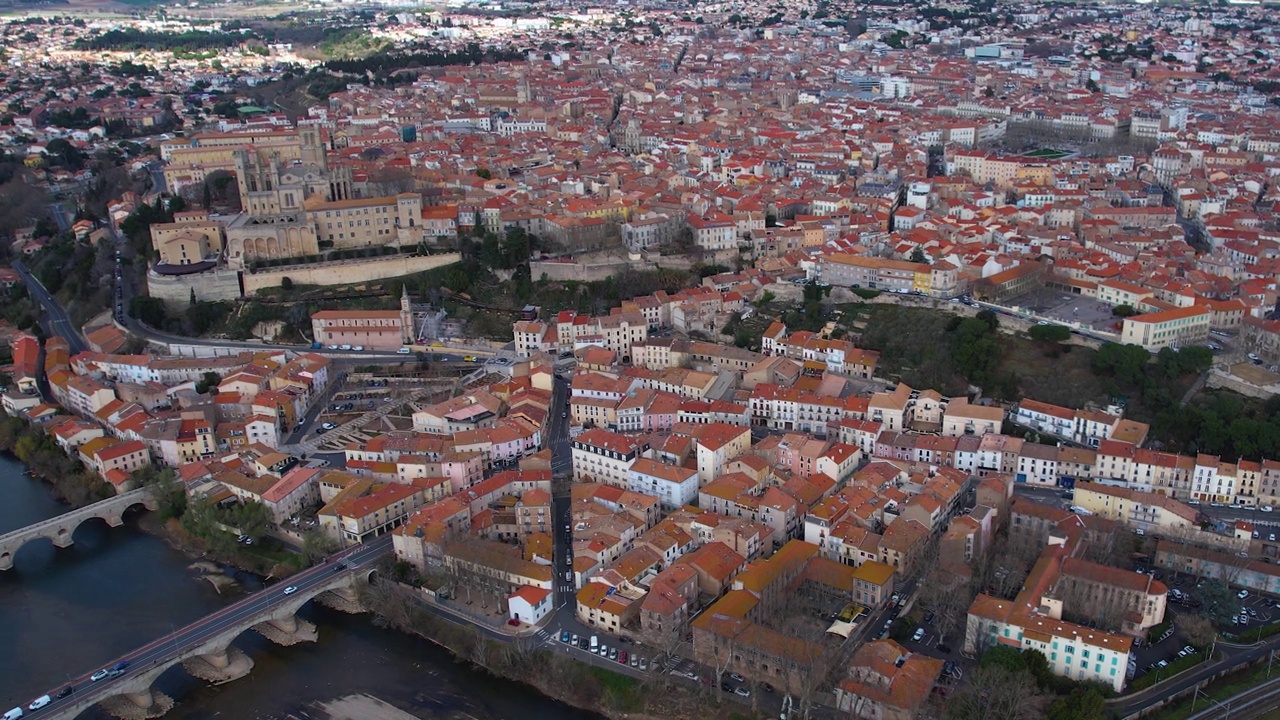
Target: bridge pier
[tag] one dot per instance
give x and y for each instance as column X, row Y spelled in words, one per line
column 342, row 599
column 219, row 667
column 63, row 538
column 138, row 705
column 287, row 630
column 6, row 560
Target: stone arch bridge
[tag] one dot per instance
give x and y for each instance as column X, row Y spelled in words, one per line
column 60, row 529
column 204, row 648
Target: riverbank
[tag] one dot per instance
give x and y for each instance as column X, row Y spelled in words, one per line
column 173, row 534
column 526, row 660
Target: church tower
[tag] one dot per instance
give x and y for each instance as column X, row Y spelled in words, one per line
column 313, row 150
column 406, row 318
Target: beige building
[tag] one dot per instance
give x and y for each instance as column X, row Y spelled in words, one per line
column 192, row 239
column 1174, row 328
column 372, row 222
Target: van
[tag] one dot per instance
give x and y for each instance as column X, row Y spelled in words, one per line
column 13, row 714
column 595, row 643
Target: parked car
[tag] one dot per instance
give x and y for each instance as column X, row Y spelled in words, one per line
column 919, row 635
column 742, row 692
column 623, row 657
column 1242, row 594
column 736, row 677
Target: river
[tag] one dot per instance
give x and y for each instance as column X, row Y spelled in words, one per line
column 64, row 612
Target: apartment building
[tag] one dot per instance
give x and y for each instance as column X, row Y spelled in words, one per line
column 606, row 457
column 673, row 485
column 1173, row 328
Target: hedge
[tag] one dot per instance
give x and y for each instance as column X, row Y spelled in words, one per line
column 1168, row 671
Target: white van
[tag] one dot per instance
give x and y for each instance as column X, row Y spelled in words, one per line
column 13, row 714
column 595, row 643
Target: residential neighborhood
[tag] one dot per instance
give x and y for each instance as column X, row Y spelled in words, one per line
column 808, row 360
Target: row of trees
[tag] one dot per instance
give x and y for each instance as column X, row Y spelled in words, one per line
column 135, row 39
column 70, row 479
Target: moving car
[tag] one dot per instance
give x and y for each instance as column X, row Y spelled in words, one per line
column 101, row 674
column 469, row 358
column 328, row 426
column 291, row 590
column 40, row 702
column 404, row 351
column 64, row 692
column 13, row 714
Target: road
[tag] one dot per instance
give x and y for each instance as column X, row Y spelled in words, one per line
column 56, row 321
column 164, row 649
column 1157, row 693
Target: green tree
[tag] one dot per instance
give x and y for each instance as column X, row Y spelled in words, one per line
column 208, row 382
column 1218, row 602
column 1124, row 311
column 484, row 174
column 976, row 350
column 1081, row 704
column 170, row 495
column 316, row 546
column 918, row 257
column 1050, row 333
column 148, row 309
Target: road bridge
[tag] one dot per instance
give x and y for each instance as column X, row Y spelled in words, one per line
column 204, row 647
column 60, row 529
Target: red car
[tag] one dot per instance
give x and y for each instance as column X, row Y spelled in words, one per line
column 622, row 657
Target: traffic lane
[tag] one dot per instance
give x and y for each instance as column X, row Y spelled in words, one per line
column 216, row 622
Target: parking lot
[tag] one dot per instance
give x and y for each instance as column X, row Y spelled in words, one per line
column 1067, row 308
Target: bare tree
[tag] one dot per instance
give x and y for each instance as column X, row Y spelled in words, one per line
column 997, row 693
column 1197, row 630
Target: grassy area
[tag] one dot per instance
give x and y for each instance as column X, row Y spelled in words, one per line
column 914, row 347
column 620, row 692
column 1219, row 690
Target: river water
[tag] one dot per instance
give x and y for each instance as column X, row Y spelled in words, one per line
column 64, row 612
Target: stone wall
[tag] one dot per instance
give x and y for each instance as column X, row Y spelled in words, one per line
column 175, row 290
column 600, row 266
column 343, row 272
column 1220, row 379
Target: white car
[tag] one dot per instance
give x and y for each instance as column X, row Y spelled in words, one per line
column 344, row 347
column 1265, row 508
column 291, row 590
column 404, row 351
column 358, row 348
column 100, row 675
column 919, row 635
column 1242, row 594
